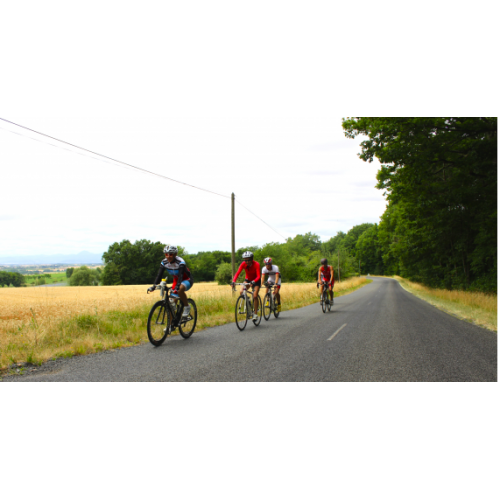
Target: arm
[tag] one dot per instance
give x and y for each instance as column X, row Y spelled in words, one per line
column 333, row 276
column 238, row 272
column 257, row 271
column 159, row 276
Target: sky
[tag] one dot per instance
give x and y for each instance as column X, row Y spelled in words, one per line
column 217, row 96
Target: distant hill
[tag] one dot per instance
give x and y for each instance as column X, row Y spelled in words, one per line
column 79, row 258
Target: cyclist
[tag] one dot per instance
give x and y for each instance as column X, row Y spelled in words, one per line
column 274, row 279
column 252, row 277
column 325, row 273
column 183, row 281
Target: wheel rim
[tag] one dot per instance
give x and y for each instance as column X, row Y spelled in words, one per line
column 267, row 307
column 158, row 324
column 257, row 321
column 240, row 313
column 186, row 328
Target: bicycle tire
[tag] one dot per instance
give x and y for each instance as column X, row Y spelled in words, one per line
column 159, row 323
column 267, row 306
column 275, row 309
column 324, row 296
column 256, row 322
column 240, row 313
column 186, row 333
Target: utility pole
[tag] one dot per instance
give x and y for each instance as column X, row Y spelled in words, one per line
column 339, row 265
column 233, row 257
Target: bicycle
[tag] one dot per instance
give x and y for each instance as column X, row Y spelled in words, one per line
column 270, row 304
column 324, row 301
column 244, row 308
column 166, row 315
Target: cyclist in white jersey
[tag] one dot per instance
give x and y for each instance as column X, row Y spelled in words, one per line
column 274, row 278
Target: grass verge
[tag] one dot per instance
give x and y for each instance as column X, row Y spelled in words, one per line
column 475, row 307
column 37, row 337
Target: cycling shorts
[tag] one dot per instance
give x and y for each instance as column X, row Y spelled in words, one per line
column 329, row 285
column 188, row 284
column 257, row 283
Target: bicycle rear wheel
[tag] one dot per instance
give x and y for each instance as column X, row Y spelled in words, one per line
column 267, row 306
column 240, row 313
column 330, row 304
column 257, row 321
column 187, row 326
column 159, row 323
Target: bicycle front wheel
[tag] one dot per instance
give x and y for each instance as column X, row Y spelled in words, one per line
column 257, row 321
column 187, row 326
column 267, row 306
column 240, row 313
column 159, row 323
column 275, row 310
column 324, row 298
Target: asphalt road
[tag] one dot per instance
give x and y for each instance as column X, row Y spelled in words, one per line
column 378, row 333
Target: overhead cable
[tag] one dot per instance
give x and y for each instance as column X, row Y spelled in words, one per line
column 112, row 159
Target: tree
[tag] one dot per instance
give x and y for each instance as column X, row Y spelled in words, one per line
column 110, row 276
column 224, row 274
column 83, row 276
column 440, row 179
column 135, row 263
column 69, row 272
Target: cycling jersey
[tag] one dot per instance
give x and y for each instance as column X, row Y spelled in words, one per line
column 178, row 269
column 252, row 273
column 327, row 274
column 272, row 274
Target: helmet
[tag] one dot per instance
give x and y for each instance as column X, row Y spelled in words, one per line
column 268, row 260
column 324, row 262
column 170, row 249
column 248, row 255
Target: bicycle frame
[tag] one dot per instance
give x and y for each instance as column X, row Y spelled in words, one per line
column 248, row 303
column 172, row 304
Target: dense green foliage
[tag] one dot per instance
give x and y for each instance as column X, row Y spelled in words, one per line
column 83, row 276
column 132, row 263
column 15, row 279
column 440, row 179
column 69, row 272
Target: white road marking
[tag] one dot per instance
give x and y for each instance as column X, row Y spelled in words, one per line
column 337, row 331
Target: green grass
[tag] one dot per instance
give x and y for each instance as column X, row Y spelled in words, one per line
column 54, row 278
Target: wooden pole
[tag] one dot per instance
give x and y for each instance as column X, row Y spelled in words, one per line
column 233, row 252
column 339, row 266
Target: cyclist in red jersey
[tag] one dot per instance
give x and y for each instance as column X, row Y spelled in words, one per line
column 252, row 277
column 325, row 273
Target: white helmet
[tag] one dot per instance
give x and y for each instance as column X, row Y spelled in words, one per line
column 170, row 249
column 248, row 255
column 268, row 260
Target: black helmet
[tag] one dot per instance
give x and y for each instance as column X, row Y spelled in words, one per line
column 324, row 262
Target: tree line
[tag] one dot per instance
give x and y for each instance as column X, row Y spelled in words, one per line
column 439, row 176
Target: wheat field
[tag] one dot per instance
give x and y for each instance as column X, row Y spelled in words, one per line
column 37, row 324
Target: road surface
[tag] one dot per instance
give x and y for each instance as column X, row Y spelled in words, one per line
column 378, row 333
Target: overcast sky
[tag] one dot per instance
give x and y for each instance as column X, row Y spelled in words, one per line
column 213, row 94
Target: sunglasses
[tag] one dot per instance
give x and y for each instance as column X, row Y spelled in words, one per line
column 169, row 253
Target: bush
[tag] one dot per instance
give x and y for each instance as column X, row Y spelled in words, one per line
column 84, row 276
column 224, row 274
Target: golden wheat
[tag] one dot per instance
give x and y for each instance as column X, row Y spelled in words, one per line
column 37, row 324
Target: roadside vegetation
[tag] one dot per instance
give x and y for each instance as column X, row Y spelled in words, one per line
column 476, row 307
column 39, row 324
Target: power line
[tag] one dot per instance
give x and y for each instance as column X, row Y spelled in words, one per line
column 112, row 159
column 128, row 165
column 260, row 219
